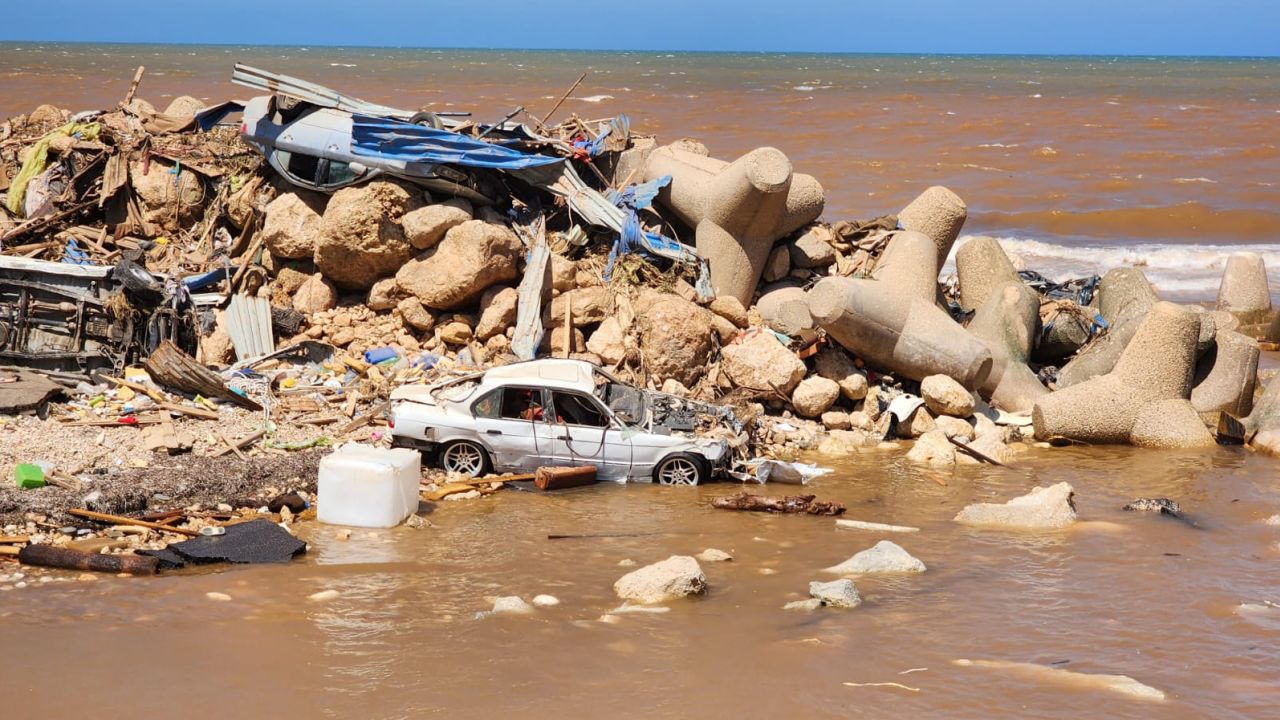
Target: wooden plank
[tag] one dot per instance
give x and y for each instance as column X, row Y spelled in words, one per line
column 121, row 520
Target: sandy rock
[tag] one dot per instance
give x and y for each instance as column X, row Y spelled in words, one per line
column 676, row 339
column 315, row 295
column 778, row 265
column 285, row 284
column 184, row 106
column 944, row 396
column 990, row 445
column 360, row 240
column 563, row 273
column 917, row 423
column 47, row 115
column 456, row 333
column 1043, row 508
column 590, row 305
column 1170, row 424
column 835, row 420
column 724, row 328
column 584, row 278
column 671, row 386
column 216, row 348
column 167, row 204
column 884, row 557
column 814, row 396
column 545, row 601
column 555, row 339
column 384, row 295
column 860, row 420
column 760, row 362
column 954, row 427
column 933, row 448
column 837, row 593
column 470, row 258
column 813, row 248
column 729, row 308
column 293, row 224
column 511, row 605
column 609, row 341
column 415, row 315
column 834, row 364
column 714, row 555
column 676, row 577
column 497, row 311
column 426, row 226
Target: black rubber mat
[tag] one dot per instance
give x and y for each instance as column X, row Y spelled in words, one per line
column 257, row 541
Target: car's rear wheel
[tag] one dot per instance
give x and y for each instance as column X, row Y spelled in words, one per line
column 427, row 119
column 465, row 457
column 680, row 469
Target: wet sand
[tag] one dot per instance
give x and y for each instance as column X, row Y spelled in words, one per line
column 1121, row 593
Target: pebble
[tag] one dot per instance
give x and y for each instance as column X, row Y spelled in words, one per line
column 323, row 595
column 86, row 577
column 20, row 584
column 344, row 534
column 220, row 597
column 546, row 600
column 714, row 555
column 511, row 604
column 628, row 562
column 767, row 571
column 68, row 529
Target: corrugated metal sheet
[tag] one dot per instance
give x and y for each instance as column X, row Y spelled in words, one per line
column 249, row 324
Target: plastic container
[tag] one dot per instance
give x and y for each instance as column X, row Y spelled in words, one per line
column 28, row 476
column 377, row 355
column 365, row 486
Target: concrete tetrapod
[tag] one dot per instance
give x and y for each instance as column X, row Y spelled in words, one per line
column 892, row 321
column 1156, row 365
column 1124, row 298
column 1007, row 323
column 1245, row 293
column 1226, row 376
column 738, row 210
column 982, row 266
column 939, row 214
column 1263, row 424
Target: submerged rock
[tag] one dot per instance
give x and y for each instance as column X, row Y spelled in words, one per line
column 1122, row 684
column 884, row 557
column 511, row 605
column 676, row 577
column 933, row 448
column 1043, row 508
column 714, row 555
column 837, row 593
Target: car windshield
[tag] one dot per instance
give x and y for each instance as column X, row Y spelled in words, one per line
column 627, row 402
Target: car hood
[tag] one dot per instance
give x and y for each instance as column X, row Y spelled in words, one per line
column 414, row 393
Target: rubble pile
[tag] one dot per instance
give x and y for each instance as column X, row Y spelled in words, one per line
column 288, row 289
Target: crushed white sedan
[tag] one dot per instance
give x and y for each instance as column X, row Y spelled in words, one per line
column 556, row 412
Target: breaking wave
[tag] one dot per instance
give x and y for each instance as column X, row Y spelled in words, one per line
column 1179, row 272
column 595, row 98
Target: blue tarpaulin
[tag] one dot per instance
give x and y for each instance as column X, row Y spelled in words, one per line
column 396, row 140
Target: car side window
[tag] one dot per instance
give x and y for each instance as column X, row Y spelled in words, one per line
column 488, row 406
column 574, row 409
column 520, row 403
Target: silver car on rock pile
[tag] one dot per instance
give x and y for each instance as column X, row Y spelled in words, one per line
column 554, row 412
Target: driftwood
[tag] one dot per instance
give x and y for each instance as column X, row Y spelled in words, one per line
column 121, row 520
column 807, row 504
column 67, row 559
column 560, row 478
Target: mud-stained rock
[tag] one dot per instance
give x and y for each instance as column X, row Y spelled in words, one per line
column 676, row 339
column 944, row 396
column 315, row 295
column 760, row 362
column 1044, row 508
column 293, row 224
column 564, row 272
column 47, row 115
column 216, row 348
column 883, row 557
column 933, row 448
column 456, row 333
column 361, row 240
column 676, row 577
column 426, row 226
column 730, row 308
column 814, row 396
column 608, row 341
column 184, row 106
column 837, row 593
column 471, row 257
column 167, row 203
column 497, row 311
column 834, row 364
column 590, row 306
column 287, row 282
column 384, row 295
column 415, row 315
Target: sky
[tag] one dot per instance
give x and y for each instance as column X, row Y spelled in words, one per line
column 1089, row 27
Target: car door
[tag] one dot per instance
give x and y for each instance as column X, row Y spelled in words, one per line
column 510, row 421
column 585, row 433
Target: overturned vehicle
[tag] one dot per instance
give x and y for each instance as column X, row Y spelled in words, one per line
column 559, row 412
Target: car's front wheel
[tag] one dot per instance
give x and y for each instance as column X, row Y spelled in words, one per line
column 681, row 469
column 465, row 457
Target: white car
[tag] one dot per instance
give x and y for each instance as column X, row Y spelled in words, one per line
column 554, row 412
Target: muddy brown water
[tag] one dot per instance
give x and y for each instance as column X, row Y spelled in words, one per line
column 1121, row 593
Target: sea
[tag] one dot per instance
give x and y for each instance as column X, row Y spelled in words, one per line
column 1076, row 164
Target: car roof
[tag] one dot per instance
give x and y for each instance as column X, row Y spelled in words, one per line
column 556, row 373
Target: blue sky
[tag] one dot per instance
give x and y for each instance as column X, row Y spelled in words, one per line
column 1130, row 27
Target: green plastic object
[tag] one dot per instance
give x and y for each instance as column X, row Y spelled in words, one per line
column 29, row 476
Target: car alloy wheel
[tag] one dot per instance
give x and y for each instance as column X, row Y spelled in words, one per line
column 679, row 470
column 464, row 457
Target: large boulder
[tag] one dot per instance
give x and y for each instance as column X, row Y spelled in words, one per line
column 470, row 258
column 609, row 341
column 293, row 224
column 315, row 295
column 884, row 557
column 675, row 339
column 590, row 305
column 497, row 311
column 944, row 396
column 413, row 314
column 676, row 577
column 168, row 202
column 760, row 362
column 426, row 226
column 1044, row 508
column 814, row 396
column 360, row 239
